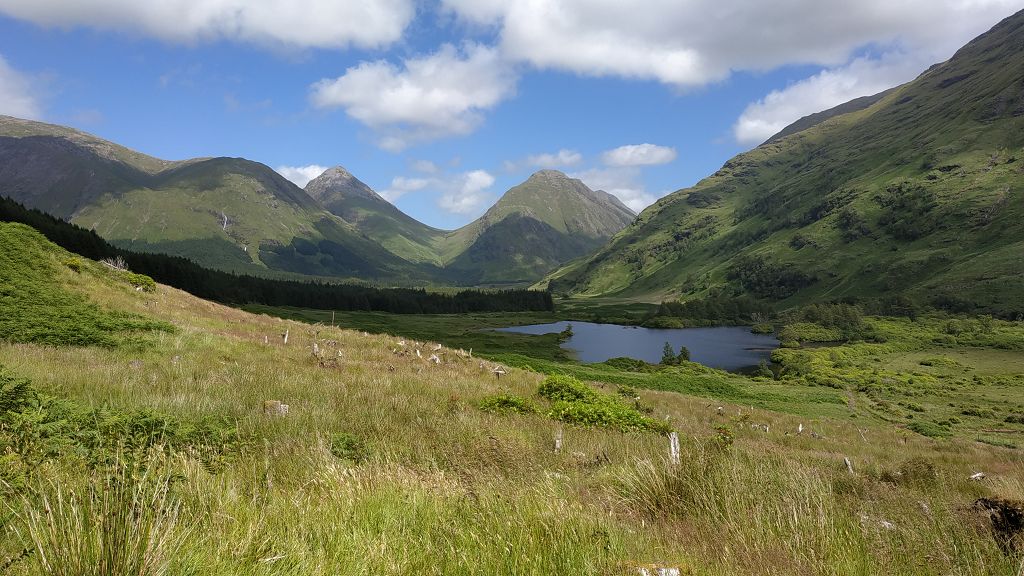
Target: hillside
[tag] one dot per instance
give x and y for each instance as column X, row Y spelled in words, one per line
column 237, row 215
column 346, row 196
column 919, row 193
column 536, row 226
column 228, row 213
column 145, row 417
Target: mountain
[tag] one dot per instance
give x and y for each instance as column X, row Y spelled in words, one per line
column 238, row 215
column 535, row 227
column 346, row 196
column 918, row 193
column 226, row 213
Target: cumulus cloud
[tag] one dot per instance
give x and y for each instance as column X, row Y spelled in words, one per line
column 827, row 89
column 559, row 159
column 301, row 175
column 467, row 193
column 562, row 159
column 400, row 186
column 623, row 182
column 17, row 96
column 639, row 155
column 697, row 42
column 428, row 97
column 425, row 166
column 298, row 23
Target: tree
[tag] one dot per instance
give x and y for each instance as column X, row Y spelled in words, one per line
column 684, row 355
column 668, row 356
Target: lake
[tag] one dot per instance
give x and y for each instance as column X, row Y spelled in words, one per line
column 725, row 347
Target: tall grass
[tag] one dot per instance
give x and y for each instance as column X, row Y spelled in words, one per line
column 122, row 519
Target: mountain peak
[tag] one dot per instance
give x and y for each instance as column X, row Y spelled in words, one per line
column 549, row 174
column 336, row 185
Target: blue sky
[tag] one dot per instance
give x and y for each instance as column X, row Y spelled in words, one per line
column 442, row 106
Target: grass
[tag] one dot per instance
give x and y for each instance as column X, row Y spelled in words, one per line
column 440, row 486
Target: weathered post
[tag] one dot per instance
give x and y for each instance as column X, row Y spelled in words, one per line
column 673, row 448
column 286, row 336
column 849, row 465
column 558, row 441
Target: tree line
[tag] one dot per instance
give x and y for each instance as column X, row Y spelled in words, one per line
column 236, row 289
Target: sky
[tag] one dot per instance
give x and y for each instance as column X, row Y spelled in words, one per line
column 441, row 106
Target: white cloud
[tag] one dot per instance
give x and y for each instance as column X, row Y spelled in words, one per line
column 623, row 182
column 400, row 186
column 559, row 159
column 425, row 166
column 827, row 89
column 17, row 96
column 458, row 192
column 301, row 175
column 467, row 192
column 697, row 42
column 429, row 97
column 297, row 23
column 639, row 155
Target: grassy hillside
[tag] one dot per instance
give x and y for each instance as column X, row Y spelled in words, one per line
column 535, row 227
column 388, row 463
column 236, row 215
column 226, row 213
column 916, row 194
column 346, row 196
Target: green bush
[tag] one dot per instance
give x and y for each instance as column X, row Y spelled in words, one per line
column 74, row 263
column 577, row 403
column 141, row 281
column 349, row 447
column 630, row 365
column 508, row 404
column 930, row 429
column 606, row 413
column 978, row 412
column 762, row 328
column 567, row 389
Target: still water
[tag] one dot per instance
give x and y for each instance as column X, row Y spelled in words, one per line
column 725, row 347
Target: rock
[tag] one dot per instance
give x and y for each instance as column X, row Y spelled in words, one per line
column 977, row 476
column 274, row 408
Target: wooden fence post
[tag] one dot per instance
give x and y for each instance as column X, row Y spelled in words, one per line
column 673, row 447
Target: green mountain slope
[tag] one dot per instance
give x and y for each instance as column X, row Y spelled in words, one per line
column 534, row 228
column 346, row 196
column 918, row 193
column 227, row 213
column 237, row 215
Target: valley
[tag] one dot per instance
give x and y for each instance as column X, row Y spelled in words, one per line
column 809, row 362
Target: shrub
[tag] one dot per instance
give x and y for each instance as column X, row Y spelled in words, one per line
column 1015, row 419
column 507, row 404
column 349, row 447
column 566, row 388
column 930, row 429
column 577, row 403
column 979, row 412
column 762, row 328
column 74, row 263
column 141, row 281
column 606, row 413
column 630, row 365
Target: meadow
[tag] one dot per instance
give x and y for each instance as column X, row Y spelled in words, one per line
column 150, row 450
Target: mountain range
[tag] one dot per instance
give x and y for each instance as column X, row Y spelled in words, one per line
column 916, row 191
column 238, row 215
